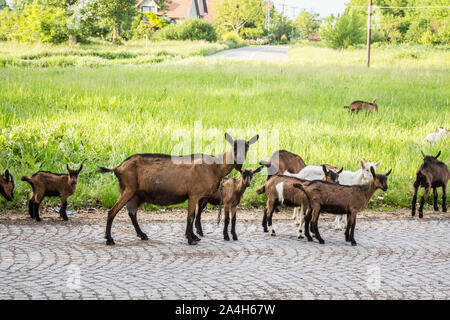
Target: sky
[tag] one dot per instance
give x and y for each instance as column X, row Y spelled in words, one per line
column 322, row 7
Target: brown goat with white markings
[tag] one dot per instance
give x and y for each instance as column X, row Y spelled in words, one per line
column 49, row 184
column 7, row 185
column 431, row 174
column 230, row 196
column 163, row 179
column 280, row 190
column 339, row 199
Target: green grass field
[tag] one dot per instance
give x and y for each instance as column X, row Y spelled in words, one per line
column 54, row 115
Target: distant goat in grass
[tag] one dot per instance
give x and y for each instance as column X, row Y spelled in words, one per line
column 358, row 105
column 437, row 136
column 49, row 184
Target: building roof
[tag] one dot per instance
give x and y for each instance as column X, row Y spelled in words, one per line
column 178, row 9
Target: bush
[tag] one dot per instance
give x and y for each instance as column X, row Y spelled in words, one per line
column 283, row 39
column 343, row 31
column 233, row 36
column 190, row 29
column 252, row 33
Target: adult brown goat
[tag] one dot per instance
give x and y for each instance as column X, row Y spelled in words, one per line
column 7, row 185
column 431, row 174
column 49, row 184
column 164, row 180
column 358, row 105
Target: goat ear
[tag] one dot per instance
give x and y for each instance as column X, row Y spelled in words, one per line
column 324, row 169
column 374, row 100
column 258, row 170
column 362, row 164
column 378, row 163
column 437, row 156
column 373, row 172
column 68, row 168
column 229, row 138
column 7, row 175
column 81, row 167
column 388, row 173
column 340, row 171
column 253, row 140
column 423, row 154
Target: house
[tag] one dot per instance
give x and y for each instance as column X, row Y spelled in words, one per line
column 147, row 6
column 183, row 9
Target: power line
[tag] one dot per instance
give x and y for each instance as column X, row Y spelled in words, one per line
column 423, row 7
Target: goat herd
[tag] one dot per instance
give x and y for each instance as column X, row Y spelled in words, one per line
column 163, row 179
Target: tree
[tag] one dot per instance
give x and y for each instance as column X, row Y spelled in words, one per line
column 235, row 14
column 343, row 31
column 2, row 4
column 307, row 24
column 116, row 13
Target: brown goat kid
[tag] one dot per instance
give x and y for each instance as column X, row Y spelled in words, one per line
column 230, row 196
column 49, row 184
column 164, row 180
column 358, row 105
column 339, row 199
column 431, row 174
column 7, row 185
column 280, row 190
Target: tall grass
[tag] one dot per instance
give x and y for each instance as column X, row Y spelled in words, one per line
column 52, row 116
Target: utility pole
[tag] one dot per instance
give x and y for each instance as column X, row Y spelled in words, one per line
column 268, row 15
column 293, row 12
column 369, row 31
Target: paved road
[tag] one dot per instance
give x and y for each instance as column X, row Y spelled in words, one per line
column 269, row 53
column 394, row 259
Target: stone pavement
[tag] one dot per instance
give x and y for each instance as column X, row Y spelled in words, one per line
column 395, row 259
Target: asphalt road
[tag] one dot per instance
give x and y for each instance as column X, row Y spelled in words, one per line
column 267, row 53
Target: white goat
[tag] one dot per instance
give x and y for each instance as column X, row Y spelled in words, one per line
column 437, row 136
column 361, row 176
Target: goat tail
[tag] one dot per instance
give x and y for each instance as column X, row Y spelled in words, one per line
column 261, row 190
column 299, row 186
column 220, row 207
column 265, row 163
column 105, row 170
column 26, row 179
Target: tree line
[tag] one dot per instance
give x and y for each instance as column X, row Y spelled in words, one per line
column 57, row 21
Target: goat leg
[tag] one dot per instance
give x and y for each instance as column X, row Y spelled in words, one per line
column 307, row 223
column 62, row 211
column 423, row 199
column 198, row 217
column 314, row 224
column 264, row 222
column 435, row 200
column 233, row 223
column 414, row 199
column 444, row 198
column 352, row 232
column 226, row 237
column 31, row 208
column 192, row 238
column 36, row 211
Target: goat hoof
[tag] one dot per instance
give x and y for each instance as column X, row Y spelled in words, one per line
column 321, row 241
column 310, row 238
column 38, row 219
column 413, row 214
column 226, row 238
column 200, row 233
column 353, row 243
column 235, row 238
column 444, row 209
column 110, row 242
column 300, row 236
column 192, row 242
column 273, row 234
column 144, row 236
column 420, row 215
column 265, row 230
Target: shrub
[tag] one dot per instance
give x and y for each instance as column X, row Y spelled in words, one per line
column 252, row 33
column 190, row 29
column 233, row 36
column 283, row 39
column 343, row 31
